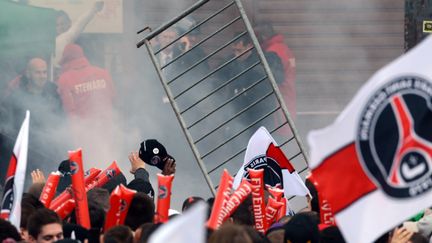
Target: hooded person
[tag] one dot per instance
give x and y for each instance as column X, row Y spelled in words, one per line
column 85, row 90
column 87, row 93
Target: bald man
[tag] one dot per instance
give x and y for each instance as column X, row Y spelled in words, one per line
column 33, row 91
column 36, row 74
column 33, row 80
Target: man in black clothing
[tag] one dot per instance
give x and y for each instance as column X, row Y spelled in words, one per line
column 245, row 87
column 32, row 91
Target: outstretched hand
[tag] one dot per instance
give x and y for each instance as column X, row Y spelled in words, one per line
column 401, row 235
column 136, row 162
column 170, row 167
column 37, row 176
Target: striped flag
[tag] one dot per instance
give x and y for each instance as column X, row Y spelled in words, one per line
column 14, row 185
column 263, row 153
column 374, row 163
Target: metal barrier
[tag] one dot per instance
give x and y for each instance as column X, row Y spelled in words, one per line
column 220, row 106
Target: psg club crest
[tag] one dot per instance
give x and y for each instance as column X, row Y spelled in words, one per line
column 394, row 137
column 272, row 170
column 74, row 167
column 163, row 192
column 110, row 173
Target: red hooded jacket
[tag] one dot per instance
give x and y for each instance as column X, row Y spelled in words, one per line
column 86, row 91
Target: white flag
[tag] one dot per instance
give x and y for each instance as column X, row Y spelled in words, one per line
column 14, row 186
column 374, row 163
column 263, row 153
column 187, row 228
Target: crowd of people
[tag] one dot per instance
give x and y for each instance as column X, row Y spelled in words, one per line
column 41, row 224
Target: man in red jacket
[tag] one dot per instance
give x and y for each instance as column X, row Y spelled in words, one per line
column 272, row 42
column 86, row 91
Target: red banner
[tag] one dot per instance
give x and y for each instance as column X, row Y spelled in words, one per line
column 90, row 176
column 272, row 209
column 103, row 177
column 164, row 197
column 120, row 201
column 65, row 208
column 276, row 193
column 78, row 188
column 283, row 210
column 222, row 197
column 236, row 199
column 98, row 179
column 49, row 190
column 258, row 202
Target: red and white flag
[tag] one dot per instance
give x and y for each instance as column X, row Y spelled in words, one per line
column 263, row 153
column 374, row 163
column 15, row 176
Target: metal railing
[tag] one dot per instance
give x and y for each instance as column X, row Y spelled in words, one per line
column 216, row 110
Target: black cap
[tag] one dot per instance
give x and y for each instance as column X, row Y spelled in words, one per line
column 154, row 153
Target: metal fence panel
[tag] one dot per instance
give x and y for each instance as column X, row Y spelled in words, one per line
column 221, row 92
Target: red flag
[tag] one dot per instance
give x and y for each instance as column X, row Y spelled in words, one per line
column 14, row 185
column 78, row 188
column 120, row 201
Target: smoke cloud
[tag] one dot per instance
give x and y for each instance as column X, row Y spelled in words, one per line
column 140, row 112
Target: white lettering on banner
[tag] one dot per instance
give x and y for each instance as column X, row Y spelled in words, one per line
column 226, row 196
column 255, row 162
column 366, row 122
column 327, row 215
column 49, row 188
column 398, row 86
column 421, row 187
column 256, row 202
column 424, row 86
column 270, row 212
column 235, row 200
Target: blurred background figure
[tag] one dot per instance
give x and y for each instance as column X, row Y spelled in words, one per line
column 274, row 43
column 68, row 31
column 34, row 92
